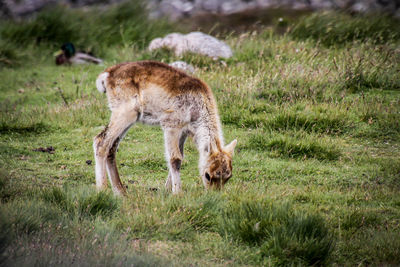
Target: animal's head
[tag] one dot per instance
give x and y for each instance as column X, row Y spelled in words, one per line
column 68, row 49
column 218, row 167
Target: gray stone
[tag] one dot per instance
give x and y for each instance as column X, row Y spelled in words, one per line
column 194, row 42
column 182, row 65
column 21, row 8
column 212, row 6
column 236, row 6
column 321, row 4
column 177, row 9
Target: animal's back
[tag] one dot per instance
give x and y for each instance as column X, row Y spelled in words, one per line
column 137, row 76
column 160, row 94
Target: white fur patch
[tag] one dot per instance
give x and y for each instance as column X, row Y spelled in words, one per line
column 101, row 82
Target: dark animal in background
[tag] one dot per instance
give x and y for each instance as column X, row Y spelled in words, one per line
column 69, row 55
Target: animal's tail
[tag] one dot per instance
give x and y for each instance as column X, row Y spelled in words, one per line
column 101, row 82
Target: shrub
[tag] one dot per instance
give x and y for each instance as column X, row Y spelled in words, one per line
column 92, row 30
column 54, row 26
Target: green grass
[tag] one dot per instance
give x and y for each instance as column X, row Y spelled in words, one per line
column 279, row 232
column 316, row 112
column 336, row 29
column 293, row 147
column 81, row 204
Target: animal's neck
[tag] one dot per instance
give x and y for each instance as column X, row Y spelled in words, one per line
column 208, row 136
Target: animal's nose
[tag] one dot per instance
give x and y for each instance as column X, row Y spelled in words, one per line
column 216, row 184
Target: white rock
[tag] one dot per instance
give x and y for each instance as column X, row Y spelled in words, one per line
column 232, row 7
column 321, row 4
column 182, row 65
column 359, row 7
column 195, row 42
column 210, row 5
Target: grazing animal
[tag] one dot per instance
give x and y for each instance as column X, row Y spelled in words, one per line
column 157, row 94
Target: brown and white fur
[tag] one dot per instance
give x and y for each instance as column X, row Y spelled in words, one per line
column 155, row 93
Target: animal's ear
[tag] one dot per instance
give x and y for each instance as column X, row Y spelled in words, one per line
column 231, row 147
column 214, row 148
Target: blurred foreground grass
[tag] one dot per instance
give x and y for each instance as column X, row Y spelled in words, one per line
column 316, row 173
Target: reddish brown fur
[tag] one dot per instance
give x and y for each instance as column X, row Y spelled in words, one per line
column 220, row 170
column 220, row 162
column 155, row 93
column 135, row 75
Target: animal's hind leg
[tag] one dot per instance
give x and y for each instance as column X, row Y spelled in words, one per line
column 119, row 125
column 106, row 145
column 100, row 160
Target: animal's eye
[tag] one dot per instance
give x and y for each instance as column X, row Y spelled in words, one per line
column 208, row 176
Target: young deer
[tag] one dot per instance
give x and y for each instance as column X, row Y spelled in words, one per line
column 155, row 93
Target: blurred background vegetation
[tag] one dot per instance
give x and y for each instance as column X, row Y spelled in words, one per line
column 313, row 98
column 95, row 29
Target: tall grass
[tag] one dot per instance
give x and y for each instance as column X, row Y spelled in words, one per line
column 332, row 28
column 6, row 234
column 57, row 228
column 291, row 238
column 293, row 147
column 276, row 231
column 82, row 203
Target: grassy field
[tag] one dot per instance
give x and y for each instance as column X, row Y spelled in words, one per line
column 316, row 112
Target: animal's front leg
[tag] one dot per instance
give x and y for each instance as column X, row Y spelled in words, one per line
column 174, row 158
column 168, row 183
column 176, row 176
column 182, row 139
